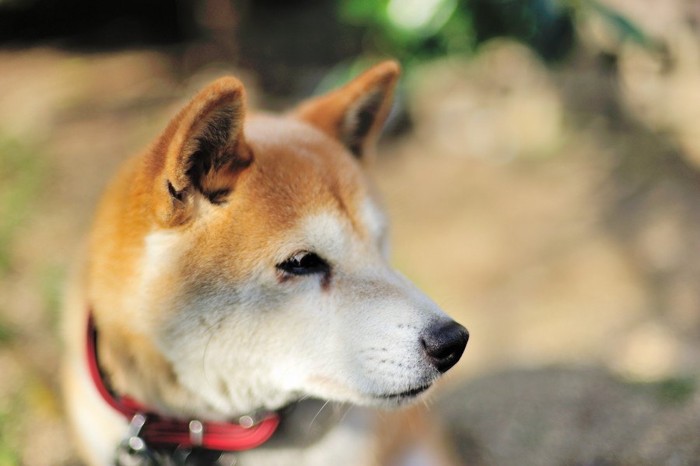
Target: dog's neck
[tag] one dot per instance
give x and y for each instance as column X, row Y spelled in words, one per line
column 304, row 422
column 137, row 369
column 301, row 423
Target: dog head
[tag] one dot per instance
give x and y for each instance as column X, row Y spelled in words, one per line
column 260, row 274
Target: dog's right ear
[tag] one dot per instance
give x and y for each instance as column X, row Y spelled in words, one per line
column 201, row 153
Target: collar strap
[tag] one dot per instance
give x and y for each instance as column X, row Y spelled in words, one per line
column 164, row 432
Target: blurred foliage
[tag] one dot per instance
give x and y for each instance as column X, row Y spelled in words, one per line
column 412, row 29
column 417, row 30
column 676, row 390
column 623, row 27
column 31, row 395
column 7, row 334
column 20, row 179
column 9, row 413
column 52, row 280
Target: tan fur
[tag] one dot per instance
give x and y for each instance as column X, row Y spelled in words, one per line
column 329, row 111
column 214, row 223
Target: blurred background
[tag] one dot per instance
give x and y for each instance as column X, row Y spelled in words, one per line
column 541, row 169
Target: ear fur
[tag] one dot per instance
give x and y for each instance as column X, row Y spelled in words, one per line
column 204, row 150
column 355, row 113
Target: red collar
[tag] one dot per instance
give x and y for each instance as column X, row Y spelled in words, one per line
column 164, row 432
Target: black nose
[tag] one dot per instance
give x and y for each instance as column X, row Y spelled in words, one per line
column 444, row 344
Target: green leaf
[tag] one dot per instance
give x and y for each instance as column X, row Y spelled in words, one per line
column 626, row 29
column 362, row 11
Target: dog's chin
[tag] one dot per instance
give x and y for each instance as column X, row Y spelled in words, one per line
column 376, row 395
column 398, row 399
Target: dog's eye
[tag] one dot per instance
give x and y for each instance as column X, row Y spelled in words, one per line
column 304, row 263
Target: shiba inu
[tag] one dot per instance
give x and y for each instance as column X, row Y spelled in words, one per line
column 236, row 274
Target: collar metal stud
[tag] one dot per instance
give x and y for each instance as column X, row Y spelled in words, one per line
column 196, row 432
column 246, row 421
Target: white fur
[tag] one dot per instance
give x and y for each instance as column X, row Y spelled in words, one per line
column 376, row 223
column 265, row 344
column 159, row 253
column 100, row 426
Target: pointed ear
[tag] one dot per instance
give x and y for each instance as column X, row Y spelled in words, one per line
column 201, row 153
column 355, row 113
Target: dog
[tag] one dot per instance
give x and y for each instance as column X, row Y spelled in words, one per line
column 235, row 282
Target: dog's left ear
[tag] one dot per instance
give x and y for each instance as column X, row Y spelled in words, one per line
column 355, row 113
column 201, row 154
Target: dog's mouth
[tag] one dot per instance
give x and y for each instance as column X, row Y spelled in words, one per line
column 412, row 393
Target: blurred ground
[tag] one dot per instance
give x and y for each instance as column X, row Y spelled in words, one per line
column 557, row 416
column 554, row 212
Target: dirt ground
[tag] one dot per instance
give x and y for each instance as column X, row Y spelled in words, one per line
column 553, row 212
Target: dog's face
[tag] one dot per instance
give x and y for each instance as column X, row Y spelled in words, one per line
column 267, row 268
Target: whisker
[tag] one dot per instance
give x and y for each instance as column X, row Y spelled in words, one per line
column 342, row 418
column 206, row 349
column 316, row 416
